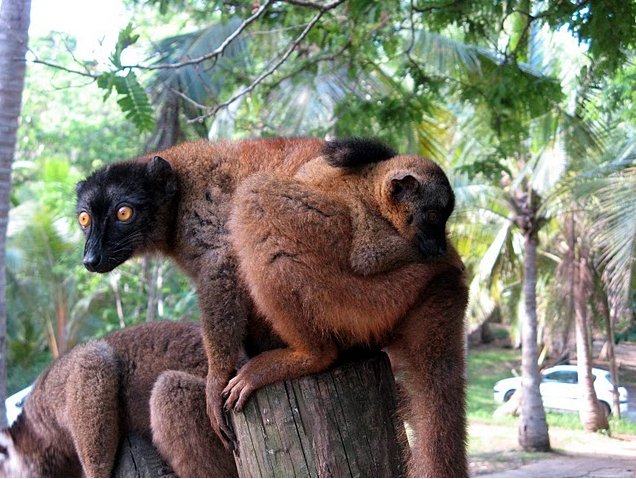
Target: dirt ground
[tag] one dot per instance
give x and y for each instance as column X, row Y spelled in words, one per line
column 575, row 453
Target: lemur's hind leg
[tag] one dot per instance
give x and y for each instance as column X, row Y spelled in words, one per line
column 181, row 430
column 92, row 407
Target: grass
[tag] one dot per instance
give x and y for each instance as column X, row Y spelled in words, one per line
column 486, row 366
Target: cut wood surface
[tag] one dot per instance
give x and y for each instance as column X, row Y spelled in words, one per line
column 341, row 423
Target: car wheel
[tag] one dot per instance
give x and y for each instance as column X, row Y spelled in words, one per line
column 508, row 395
column 605, row 408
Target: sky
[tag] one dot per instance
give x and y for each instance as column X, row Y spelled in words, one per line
column 94, row 23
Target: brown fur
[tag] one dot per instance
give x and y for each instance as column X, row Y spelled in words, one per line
column 181, row 428
column 192, row 229
column 87, row 399
column 331, row 263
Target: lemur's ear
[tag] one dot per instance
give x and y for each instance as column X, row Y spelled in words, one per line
column 158, row 167
column 79, row 185
column 402, row 185
column 161, row 171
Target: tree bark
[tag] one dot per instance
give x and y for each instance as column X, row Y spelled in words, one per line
column 14, row 37
column 341, row 423
column 137, row 457
column 533, row 428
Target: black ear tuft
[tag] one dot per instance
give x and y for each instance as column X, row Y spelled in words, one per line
column 356, row 152
column 402, row 186
column 158, row 167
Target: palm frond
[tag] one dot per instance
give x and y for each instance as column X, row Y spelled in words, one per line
column 448, row 56
column 184, row 89
column 609, row 193
column 306, row 104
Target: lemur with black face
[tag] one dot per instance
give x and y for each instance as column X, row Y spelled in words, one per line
column 179, row 202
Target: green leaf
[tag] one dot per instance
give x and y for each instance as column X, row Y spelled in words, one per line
column 126, row 38
column 134, row 101
column 106, row 81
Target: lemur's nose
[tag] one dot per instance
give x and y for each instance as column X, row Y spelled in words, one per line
column 91, row 261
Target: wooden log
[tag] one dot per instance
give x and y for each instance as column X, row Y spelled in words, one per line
column 341, row 423
column 137, row 457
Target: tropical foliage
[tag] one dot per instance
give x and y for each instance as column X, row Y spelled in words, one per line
column 529, row 105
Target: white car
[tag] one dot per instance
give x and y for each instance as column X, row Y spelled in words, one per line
column 15, row 403
column 560, row 389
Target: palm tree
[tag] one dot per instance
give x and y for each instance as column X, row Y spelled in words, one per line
column 608, row 193
column 592, row 417
column 14, row 30
column 533, row 430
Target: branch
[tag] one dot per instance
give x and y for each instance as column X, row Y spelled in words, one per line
column 186, row 98
column 322, row 10
column 307, row 3
column 60, row 67
column 214, row 53
column 412, row 29
column 309, row 63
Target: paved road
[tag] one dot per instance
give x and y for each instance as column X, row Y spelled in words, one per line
column 571, row 465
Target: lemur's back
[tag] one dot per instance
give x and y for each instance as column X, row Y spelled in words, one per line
column 142, row 353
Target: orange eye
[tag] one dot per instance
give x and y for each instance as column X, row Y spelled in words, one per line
column 84, row 219
column 124, row 213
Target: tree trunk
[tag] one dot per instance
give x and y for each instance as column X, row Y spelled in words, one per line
column 341, row 423
column 611, row 359
column 153, row 290
column 137, row 457
column 14, row 36
column 592, row 417
column 533, row 428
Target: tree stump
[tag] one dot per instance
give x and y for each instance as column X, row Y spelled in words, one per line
column 341, row 423
column 137, row 457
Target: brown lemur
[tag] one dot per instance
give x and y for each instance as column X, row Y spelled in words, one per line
column 88, row 399
column 352, row 254
column 178, row 202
